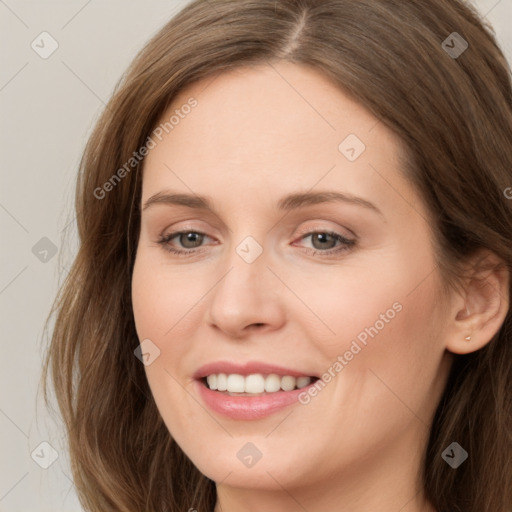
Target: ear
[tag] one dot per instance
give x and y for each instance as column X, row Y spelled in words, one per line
column 480, row 309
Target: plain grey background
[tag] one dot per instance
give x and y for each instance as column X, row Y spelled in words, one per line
column 49, row 106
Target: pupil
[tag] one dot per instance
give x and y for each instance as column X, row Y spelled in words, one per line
column 190, row 237
column 321, row 237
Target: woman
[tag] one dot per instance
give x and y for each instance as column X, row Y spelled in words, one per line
column 293, row 282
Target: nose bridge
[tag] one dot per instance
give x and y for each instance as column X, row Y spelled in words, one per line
column 247, row 274
column 250, row 250
column 245, row 294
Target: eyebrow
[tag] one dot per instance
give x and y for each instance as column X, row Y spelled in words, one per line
column 287, row 203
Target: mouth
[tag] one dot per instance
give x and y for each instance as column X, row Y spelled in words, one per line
column 252, row 390
column 256, row 384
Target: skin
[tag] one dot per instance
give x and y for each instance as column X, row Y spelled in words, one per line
column 257, row 134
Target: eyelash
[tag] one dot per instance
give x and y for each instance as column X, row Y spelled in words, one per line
column 346, row 243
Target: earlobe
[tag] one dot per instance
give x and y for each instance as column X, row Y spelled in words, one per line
column 482, row 307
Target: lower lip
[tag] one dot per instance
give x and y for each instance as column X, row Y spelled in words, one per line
column 249, row 407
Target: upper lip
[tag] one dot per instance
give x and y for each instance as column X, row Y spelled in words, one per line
column 247, row 368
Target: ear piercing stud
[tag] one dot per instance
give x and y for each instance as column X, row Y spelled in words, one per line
column 467, row 338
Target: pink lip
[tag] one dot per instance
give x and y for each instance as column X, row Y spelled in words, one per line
column 246, row 369
column 248, row 407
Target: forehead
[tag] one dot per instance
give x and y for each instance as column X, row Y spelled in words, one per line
column 254, row 104
column 277, row 128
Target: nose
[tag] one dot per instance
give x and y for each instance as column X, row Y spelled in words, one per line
column 247, row 297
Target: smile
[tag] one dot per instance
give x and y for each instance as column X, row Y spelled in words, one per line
column 255, row 384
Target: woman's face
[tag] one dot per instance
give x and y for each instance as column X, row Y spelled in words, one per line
column 277, row 281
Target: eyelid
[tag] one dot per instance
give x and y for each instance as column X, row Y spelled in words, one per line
column 324, row 229
column 302, row 232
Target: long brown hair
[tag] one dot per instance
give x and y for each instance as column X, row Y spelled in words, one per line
column 454, row 114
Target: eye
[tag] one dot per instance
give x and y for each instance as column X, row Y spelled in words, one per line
column 190, row 240
column 324, row 242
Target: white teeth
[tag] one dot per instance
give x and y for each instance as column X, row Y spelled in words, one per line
column 236, row 383
column 212, row 381
column 288, row 383
column 302, row 382
column 255, row 383
column 272, row 383
column 222, row 382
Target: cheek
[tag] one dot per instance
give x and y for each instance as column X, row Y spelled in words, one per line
column 383, row 323
column 163, row 297
column 160, row 301
column 355, row 303
column 166, row 309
